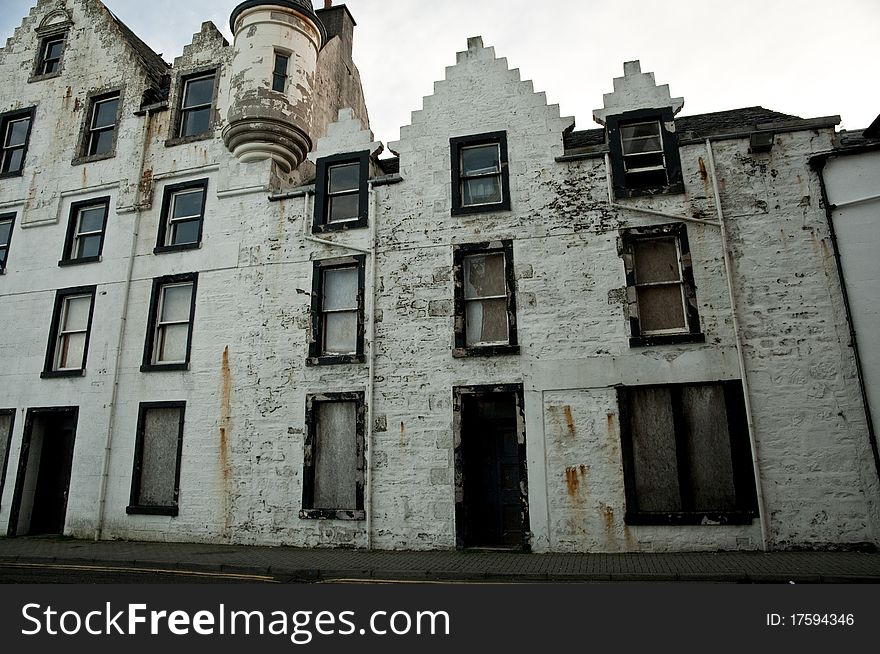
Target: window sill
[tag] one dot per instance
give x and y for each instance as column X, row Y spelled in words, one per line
column 163, row 249
column 484, row 351
column 182, row 140
column 40, row 78
column 17, row 173
column 676, row 188
column 53, row 374
column 164, row 367
column 76, row 262
column 152, row 510
column 335, row 360
column 333, row 514
column 666, row 339
column 504, row 205
column 322, row 228
column 78, row 161
column 703, row 518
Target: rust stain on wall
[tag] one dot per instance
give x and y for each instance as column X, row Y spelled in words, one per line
column 569, row 421
column 225, row 428
column 573, row 477
column 611, row 431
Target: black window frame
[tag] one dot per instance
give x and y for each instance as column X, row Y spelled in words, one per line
column 278, row 76
column 459, row 253
column 40, row 60
column 324, row 165
column 87, row 131
column 49, row 370
column 165, row 218
column 316, row 338
column 4, row 259
column 308, row 511
column 5, row 461
column 148, row 365
column 178, row 112
column 741, row 464
column 678, row 231
column 672, row 158
column 70, row 240
column 5, row 119
column 456, row 145
column 134, row 507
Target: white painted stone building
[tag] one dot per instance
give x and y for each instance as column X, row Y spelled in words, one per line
column 224, row 318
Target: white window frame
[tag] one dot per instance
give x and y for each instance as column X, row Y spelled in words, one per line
column 325, row 312
column 469, row 300
column 685, row 328
column 8, row 148
column 64, row 333
column 158, row 332
column 94, row 132
column 626, row 157
column 172, row 220
column 184, row 109
column 463, row 178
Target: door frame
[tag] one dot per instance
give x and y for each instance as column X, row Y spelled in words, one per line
column 24, row 455
column 458, row 393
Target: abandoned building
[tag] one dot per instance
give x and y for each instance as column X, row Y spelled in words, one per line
column 228, row 314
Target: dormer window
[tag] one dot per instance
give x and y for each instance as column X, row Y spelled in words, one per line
column 480, row 180
column 644, row 153
column 341, row 192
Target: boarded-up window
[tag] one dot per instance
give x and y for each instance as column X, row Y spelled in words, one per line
column 333, row 468
column 155, row 480
column 485, row 307
column 7, row 416
column 662, row 302
column 686, row 454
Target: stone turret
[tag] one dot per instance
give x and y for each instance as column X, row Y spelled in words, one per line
column 273, row 78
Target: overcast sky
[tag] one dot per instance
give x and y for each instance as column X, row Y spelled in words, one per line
column 801, row 57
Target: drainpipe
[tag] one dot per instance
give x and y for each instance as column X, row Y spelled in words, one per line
column 728, row 272
column 114, row 393
column 829, row 211
column 371, row 375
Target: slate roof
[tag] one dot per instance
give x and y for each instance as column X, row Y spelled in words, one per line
column 157, row 69
column 699, row 125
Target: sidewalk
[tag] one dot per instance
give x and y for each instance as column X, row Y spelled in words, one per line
column 290, row 564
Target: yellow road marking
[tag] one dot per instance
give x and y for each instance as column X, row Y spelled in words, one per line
column 183, row 573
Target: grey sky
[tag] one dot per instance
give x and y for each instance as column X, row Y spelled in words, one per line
column 802, row 57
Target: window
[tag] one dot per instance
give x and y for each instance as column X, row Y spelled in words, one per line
column 169, row 332
column 661, row 294
column 196, row 104
column 100, row 138
column 69, row 334
column 15, row 128
column 644, row 153
column 183, row 211
column 338, row 311
column 485, row 304
column 7, row 421
column 341, row 192
column 85, row 231
column 479, row 173
column 279, row 73
column 6, row 223
column 155, row 479
column 686, row 454
column 49, row 57
column 333, row 460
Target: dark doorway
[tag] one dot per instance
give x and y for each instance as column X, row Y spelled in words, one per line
column 492, row 498
column 39, row 505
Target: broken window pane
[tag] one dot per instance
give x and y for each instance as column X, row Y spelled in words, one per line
column 661, row 309
column 158, row 470
column 335, row 457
